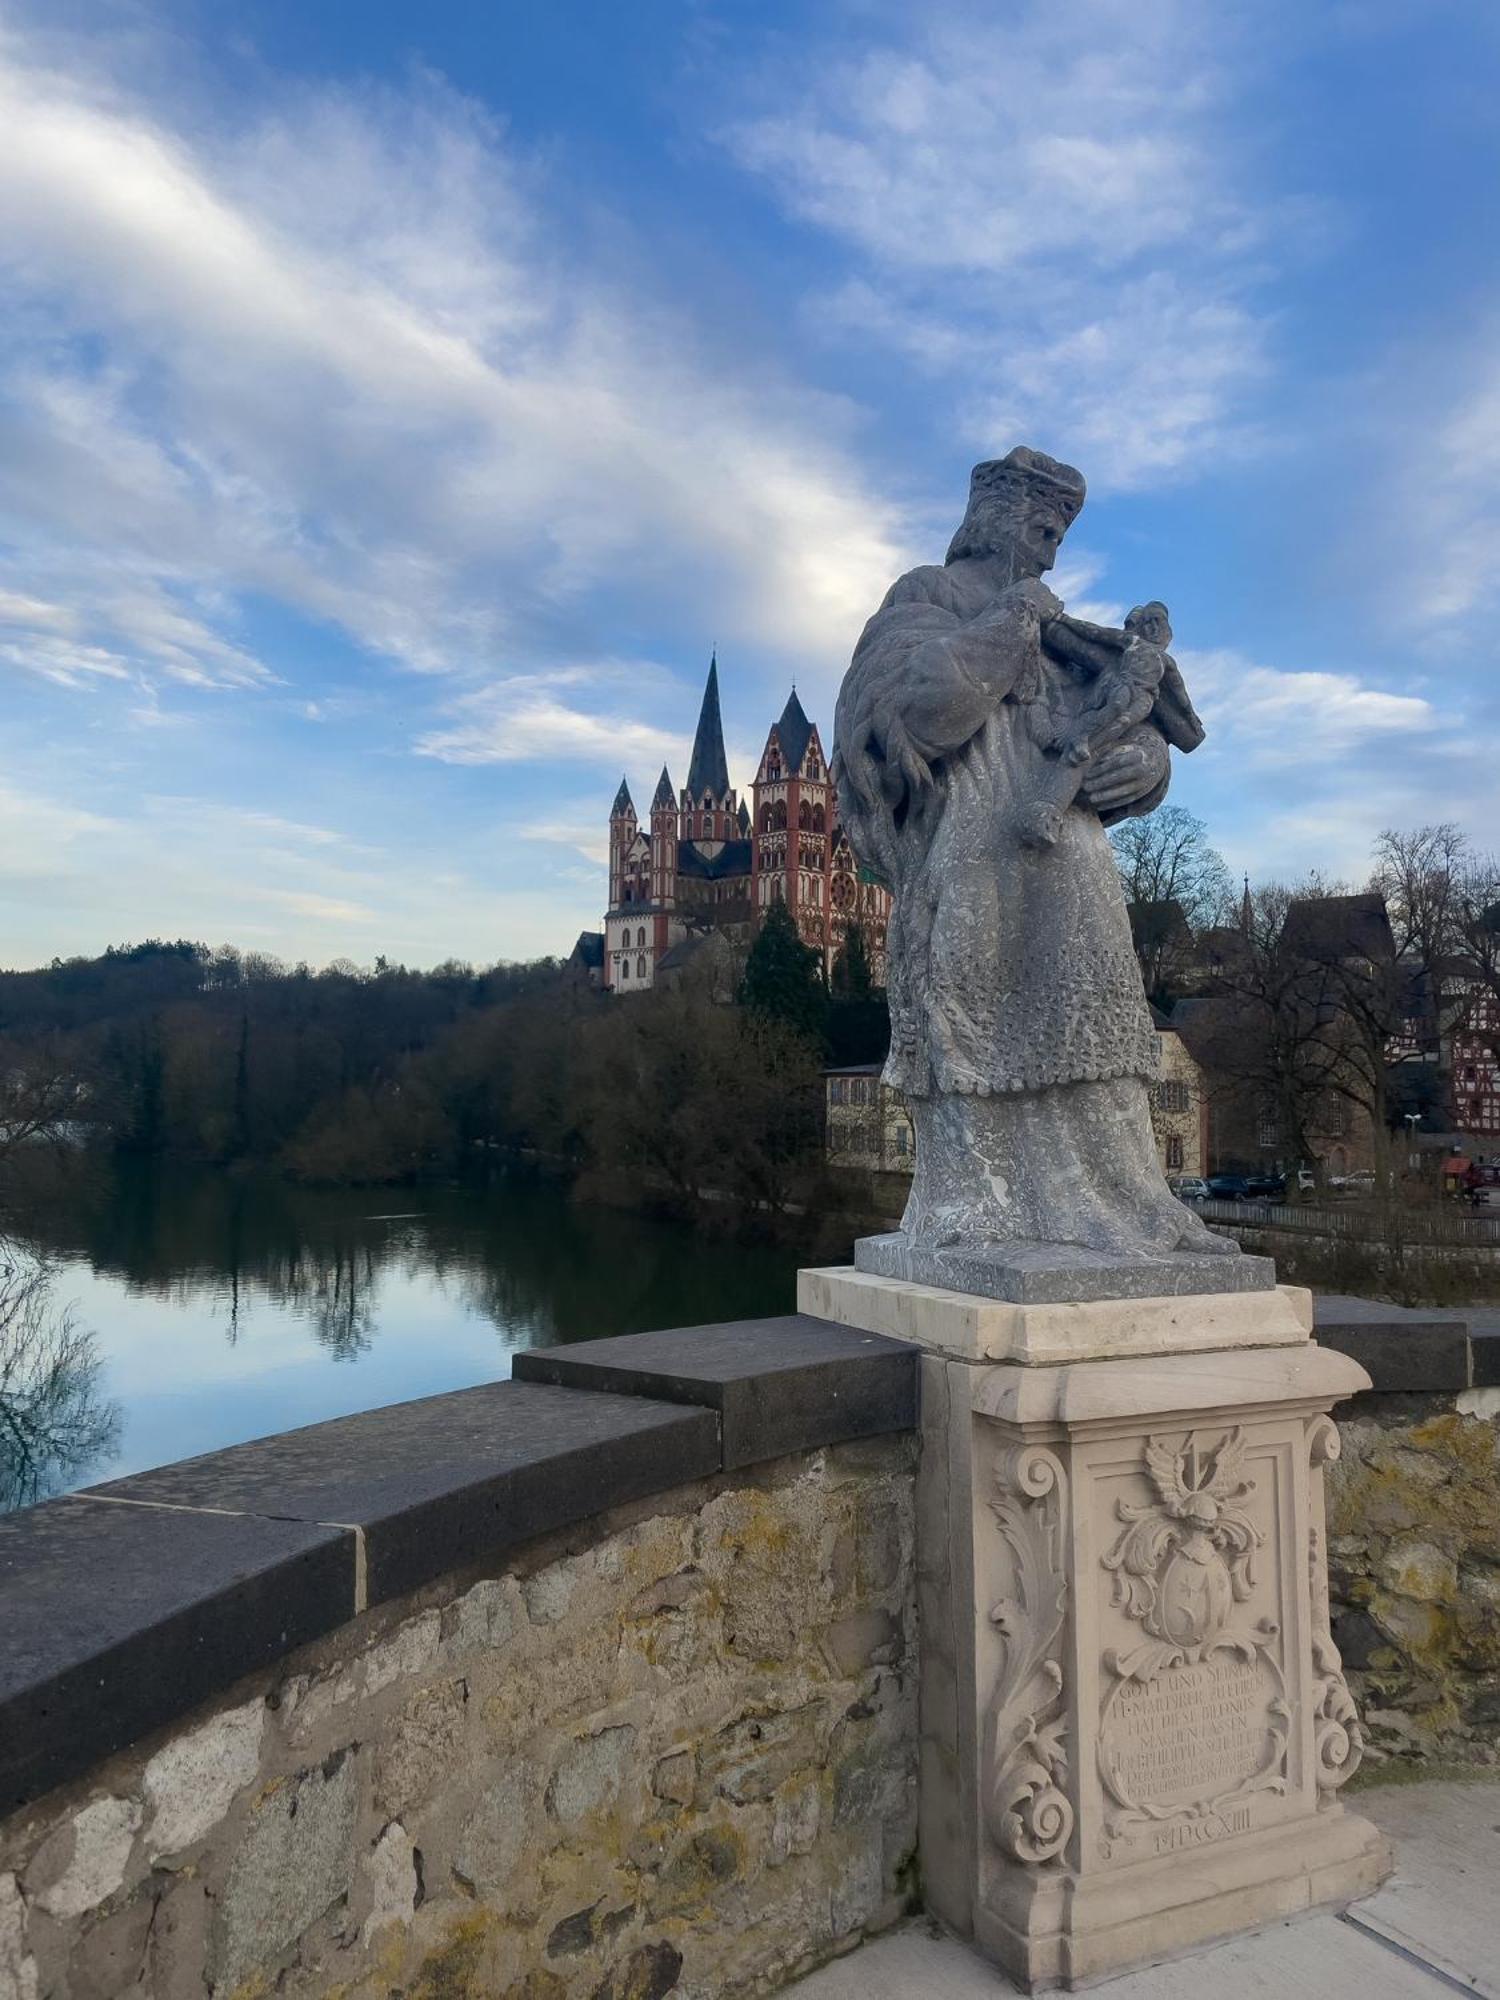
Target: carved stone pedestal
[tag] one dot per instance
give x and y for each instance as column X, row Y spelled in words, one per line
column 1134, row 1723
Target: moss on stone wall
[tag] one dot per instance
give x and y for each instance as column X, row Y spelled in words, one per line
column 675, row 1755
column 1414, row 1562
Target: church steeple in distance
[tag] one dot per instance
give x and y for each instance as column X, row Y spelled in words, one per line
column 709, row 770
column 665, row 799
column 623, row 803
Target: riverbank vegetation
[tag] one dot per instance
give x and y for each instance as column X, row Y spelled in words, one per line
column 349, row 1076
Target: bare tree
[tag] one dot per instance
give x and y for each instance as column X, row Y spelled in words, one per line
column 40, row 1094
column 1258, row 1045
column 1422, row 874
column 1175, row 883
column 1477, row 978
column 53, row 1420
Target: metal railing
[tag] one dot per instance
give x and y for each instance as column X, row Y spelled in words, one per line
column 1364, row 1223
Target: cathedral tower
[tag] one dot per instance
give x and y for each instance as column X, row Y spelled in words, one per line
column 664, row 846
column 622, row 832
column 793, row 822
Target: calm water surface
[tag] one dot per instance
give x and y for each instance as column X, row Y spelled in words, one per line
column 225, row 1309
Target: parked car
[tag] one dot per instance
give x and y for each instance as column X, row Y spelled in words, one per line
column 1228, row 1187
column 1265, row 1187
column 1189, row 1187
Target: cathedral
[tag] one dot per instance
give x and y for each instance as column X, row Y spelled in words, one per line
column 705, row 862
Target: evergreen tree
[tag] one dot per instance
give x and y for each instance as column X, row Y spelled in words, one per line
column 852, row 977
column 784, row 977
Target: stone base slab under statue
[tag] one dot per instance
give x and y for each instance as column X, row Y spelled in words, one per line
column 1134, row 1724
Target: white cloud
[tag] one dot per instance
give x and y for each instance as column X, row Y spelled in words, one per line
column 989, row 143
column 500, row 726
column 354, row 368
column 1044, row 209
column 1271, row 714
column 583, row 829
column 1451, row 448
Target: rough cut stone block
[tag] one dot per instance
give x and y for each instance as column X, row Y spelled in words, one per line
column 295, row 1860
column 780, row 1385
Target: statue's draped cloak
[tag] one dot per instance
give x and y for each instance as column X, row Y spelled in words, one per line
column 1012, row 968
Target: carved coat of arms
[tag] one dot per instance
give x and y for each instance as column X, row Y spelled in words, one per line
column 1182, row 1565
column 1187, row 1558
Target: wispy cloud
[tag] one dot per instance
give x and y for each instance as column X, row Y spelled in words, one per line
column 506, row 725
column 1272, row 714
column 1044, row 209
column 351, row 369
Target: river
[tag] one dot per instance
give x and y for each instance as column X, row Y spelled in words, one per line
column 222, row 1309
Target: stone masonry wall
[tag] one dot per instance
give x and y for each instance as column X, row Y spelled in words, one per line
column 673, row 1753
column 1414, row 1568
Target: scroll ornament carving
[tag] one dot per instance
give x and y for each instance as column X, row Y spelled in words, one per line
column 1338, row 1740
column 1181, row 1564
column 1027, row 1808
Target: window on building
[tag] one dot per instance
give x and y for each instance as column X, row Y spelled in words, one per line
column 1174, row 1155
column 903, row 1139
column 625, row 969
column 640, row 968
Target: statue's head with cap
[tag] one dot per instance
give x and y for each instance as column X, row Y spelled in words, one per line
column 1020, row 506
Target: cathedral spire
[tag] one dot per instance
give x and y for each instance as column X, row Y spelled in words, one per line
column 623, row 803
column 709, row 769
column 664, row 794
column 1247, row 910
column 793, row 732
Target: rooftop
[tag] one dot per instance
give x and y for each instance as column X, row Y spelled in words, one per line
column 793, row 732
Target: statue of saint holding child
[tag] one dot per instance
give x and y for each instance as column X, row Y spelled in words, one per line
column 984, row 741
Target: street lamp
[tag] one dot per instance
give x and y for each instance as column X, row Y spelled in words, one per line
column 1413, row 1120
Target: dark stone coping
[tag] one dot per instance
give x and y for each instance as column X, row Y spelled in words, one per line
column 113, row 1619
column 128, row 1604
column 1410, row 1350
column 779, row 1385
column 437, row 1484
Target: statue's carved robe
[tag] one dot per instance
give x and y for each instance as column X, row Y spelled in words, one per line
column 1019, row 1028
column 1012, row 968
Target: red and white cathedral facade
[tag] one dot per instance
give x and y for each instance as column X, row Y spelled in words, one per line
column 706, row 860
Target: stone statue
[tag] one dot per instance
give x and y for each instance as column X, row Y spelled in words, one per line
column 984, row 740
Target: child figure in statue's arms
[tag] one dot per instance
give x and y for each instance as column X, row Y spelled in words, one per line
column 1123, row 695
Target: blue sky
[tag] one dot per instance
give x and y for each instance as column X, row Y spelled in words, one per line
column 396, row 403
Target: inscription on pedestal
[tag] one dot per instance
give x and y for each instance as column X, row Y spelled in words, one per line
column 1190, row 1739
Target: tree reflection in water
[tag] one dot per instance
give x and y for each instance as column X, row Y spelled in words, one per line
column 208, row 1288
column 54, row 1423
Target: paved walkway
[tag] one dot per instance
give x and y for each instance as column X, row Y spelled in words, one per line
column 1433, row 1929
